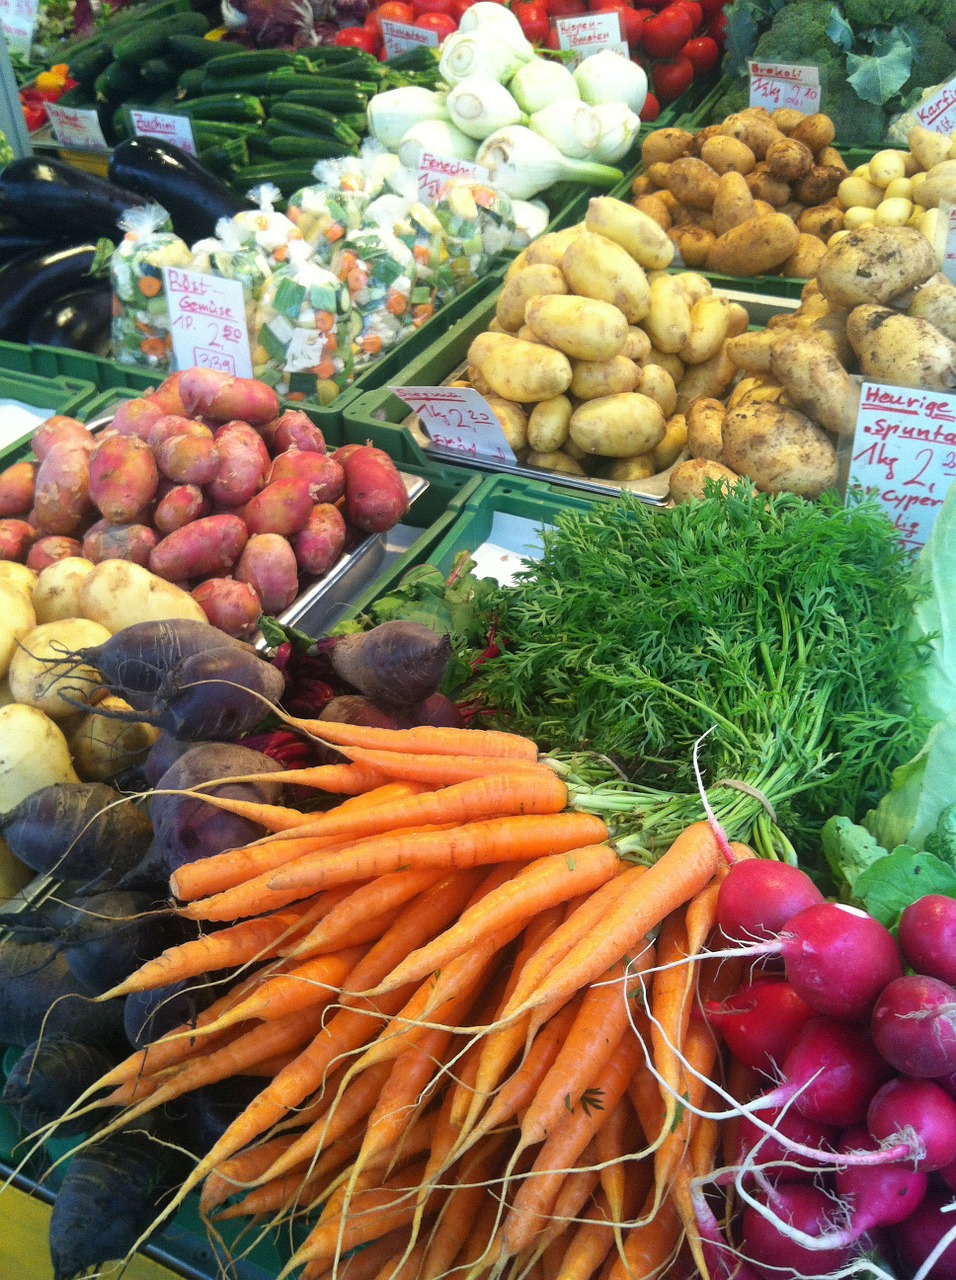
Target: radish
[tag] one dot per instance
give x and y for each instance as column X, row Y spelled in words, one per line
column 914, row 1026
column 927, row 936
column 906, row 1111
column 793, row 1128
column 772, row 1252
column 758, row 897
column 878, row 1195
column 918, row 1236
column 759, row 1021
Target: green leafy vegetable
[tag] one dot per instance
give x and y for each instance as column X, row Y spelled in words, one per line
column 879, row 75
column 895, row 881
column 942, row 839
column 839, row 30
column 849, row 850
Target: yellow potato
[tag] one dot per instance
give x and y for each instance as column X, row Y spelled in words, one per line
column 668, row 321
column 754, row 247
column 894, row 212
column 646, row 242
column 118, row 593
column 512, row 419
column 657, row 383
column 738, row 319
column 857, row 216
column 692, row 182
column 667, row 360
column 548, row 424
column 856, row 192
column 596, row 267
column 693, row 286
column 102, row 748
column 550, row 248
column 539, row 278
column 709, row 378
column 692, row 244
column 886, row 166
column 816, row 382
column 779, row 449
column 751, row 351
column 38, row 680
column 18, row 575
column 583, row 328
column 733, row 202
column 665, row 145
column 705, row 422
column 57, row 591
column 630, row 470
column 875, row 264
column 618, row 426
column 928, row 148
column 638, row 345
column 593, row 378
column 802, row 263
column 17, row 618
column 689, row 480
column 709, row 319
column 557, row 460
column 673, row 445
column 726, row 155
column 518, row 370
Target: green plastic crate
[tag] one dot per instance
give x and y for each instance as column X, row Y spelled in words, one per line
column 58, row 362
column 50, row 395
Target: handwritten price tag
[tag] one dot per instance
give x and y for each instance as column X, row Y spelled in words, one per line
column 175, row 129
column 398, row 37
column 589, row 34
column 434, row 171
column 207, row 320
column 779, row 84
column 938, row 113
column 76, row 127
column 944, row 241
column 458, row 421
column 905, row 449
column 17, row 21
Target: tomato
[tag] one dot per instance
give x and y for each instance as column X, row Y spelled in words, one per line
column 651, row 109
column 433, row 6
column 395, row 11
column 704, row 53
column 443, row 24
column 672, row 78
column 533, row 17
column 566, row 8
column 718, row 27
column 710, row 8
column 694, row 9
column 459, row 7
column 552, row 41
column 668, row 31
column 631, row 22
column 356, row 38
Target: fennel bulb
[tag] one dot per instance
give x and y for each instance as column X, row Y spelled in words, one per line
column 522, row 163
column 391, row 114
column 477, row 53
column 610, row 77
column 439, row 138
column 478, row 107
column 573, row 127
column 531, row 219
column 495, row 19
column 539, row 83
column 619, row 126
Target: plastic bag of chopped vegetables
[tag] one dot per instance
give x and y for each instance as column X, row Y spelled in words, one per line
column 379, row 272
column 270, row 231
column 140, row 333
column 233, row 257
column 458, row 236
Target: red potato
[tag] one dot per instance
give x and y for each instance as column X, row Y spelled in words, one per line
column 243, row 465
column 16, row 538
column 167, row 395
column 325, row 476
column 136, row 417
column 282, row 507
column 55, row 431
column 123, row 477
column 269, row 566
column 62, row 499
column 46, row 551
column 170, row 424
column 319, row 545
column 179, row 505
column 205, row 548
column 294, row 429
column 375, row 494
column 231, row 606
column 105, row 541
column 189, row 457
column 17, row 485
column 220, row 396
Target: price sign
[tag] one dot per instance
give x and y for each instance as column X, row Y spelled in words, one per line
column 944, row 241
column 938, row 113
column 434, row 171
column 76, row 127
column 589, row 34
column 458, row 421
column 904, row 448
column 207, row 321
column 398, row 37
column 779, row 84
column 154, row 124
column 17, row 21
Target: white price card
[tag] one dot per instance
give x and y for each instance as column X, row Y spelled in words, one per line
column 591, row 33
column 76, row 127
column 155, row 124
column 207, row 320
column 434, row 171
column 938, row 113
column 780, row 84
column 458, row 421
column 904, row 449
column 18, row 18
column 399, row 37
column 944, row 241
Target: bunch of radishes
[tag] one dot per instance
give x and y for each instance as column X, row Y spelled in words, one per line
column 858, row 1031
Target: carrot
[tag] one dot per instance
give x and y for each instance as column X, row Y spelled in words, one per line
column 424, row 740
column 671, row 1004
column 365, row 1264
column 463, row 1205
column 538, row 885
column 593, row 1239
column 403, row 1265
column 299, row 1188
column 242, row 1170
column 650, row 1246
column 618, row 1137
column 337, row 779
column 437, row 770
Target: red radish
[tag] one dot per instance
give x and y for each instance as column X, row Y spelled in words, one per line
column 771, row 1251
column 831, row 1073
column 759, row 1021
column 917, row 1237
column 758, row 897
column 914, row 1026
column 948, row 1174
column 792, row 1128
column 878, row 1195
column 908, row 1113
column 927, row 936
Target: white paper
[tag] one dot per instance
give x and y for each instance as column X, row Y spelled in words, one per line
column 938, row 113
column 781, row 84
column 398, row 37
column 76, row 127
column 458, row 421
column 155, row 124
column 17, row 21
column 944, row 241
column 434, row 171
column 207, row 320
column 590, row 33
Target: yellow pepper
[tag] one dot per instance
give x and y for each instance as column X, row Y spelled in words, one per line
column 53, row 79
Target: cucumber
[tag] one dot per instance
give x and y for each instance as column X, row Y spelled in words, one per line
column 158, row 73
column 195, row 51
column 148, row 42
column 119, row 81
column 312, row 149
column 84, row 67
column 80, row 96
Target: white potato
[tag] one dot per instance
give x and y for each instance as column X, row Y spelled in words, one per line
column 57, row 591
column 40, row 674
column 33, row 754
column 18, row 575
column 102, row 747
column 118, row 593
column 16, row 619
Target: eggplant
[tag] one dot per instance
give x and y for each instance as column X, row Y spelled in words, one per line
column 17, row 237
column 194, row 198
column 34, row 280
column 65, row 201
column 81, row 321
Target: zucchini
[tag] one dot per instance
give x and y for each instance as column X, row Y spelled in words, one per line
column 158, row 74
column 79, row 96
column 84, row 67
column 320, row 121
column 194, row 51
column 118, row 82
column 222, row 106
column 312, row 149
column 255, row 61
column 287, row 175
column 337, row 98
column 191, row 80
column 208, row 132
column 148, row 42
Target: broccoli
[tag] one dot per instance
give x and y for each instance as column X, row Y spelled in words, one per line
column 864, row 14
column 934, row 60
column 858, row 123
column 797, row 34
column 735, row 97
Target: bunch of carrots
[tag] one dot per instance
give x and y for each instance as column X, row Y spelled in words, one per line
column 470, row 1016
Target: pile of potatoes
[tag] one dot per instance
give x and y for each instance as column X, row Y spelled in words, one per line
column 754, row 195
column 880, row 311
column 595, row 348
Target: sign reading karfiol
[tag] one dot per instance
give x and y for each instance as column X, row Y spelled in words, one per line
column 904, row 448
column 155, row 124
column 938, row 113
column 434, row 171
column 207, row 320
column 399, row 37
column 458, row 421
column 591, row 33
column 76, row 127
column 779, row 84
column 18, row 18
